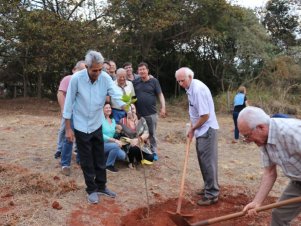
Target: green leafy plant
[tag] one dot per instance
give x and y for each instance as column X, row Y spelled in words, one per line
column 128, row 100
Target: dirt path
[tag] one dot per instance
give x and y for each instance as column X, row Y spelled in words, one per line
column 30, row 179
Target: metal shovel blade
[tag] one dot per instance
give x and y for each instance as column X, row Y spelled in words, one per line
column 179, row 219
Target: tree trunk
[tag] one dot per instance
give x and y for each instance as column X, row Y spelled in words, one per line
column 25, row 82
column 39, row 85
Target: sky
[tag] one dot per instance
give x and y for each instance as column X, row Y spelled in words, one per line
column 249, row 3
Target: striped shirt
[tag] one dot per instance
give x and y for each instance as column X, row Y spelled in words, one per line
column 283, row 147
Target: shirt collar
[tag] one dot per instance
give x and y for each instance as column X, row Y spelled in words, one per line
column 126, row 83
column 189, row 89
column 271, row 135
column 88, row 78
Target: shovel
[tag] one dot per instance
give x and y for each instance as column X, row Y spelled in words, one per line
column 184, row 222
column 177, row 217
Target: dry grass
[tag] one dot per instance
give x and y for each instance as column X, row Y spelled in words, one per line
column 30, row 179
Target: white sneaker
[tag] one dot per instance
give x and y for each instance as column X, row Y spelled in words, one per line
column 93, row 198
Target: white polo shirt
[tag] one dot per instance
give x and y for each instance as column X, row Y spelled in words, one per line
column 201, row 103
column 127, row 89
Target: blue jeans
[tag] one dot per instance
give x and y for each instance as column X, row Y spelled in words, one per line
column 118, row 114
column 61, row 136
column 67, row 150
column 113, row 152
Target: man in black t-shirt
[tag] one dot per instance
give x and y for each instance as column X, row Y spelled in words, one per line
column 147, row 90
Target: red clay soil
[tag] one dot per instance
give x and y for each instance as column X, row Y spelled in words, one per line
column 232, row 200
column 228, row 203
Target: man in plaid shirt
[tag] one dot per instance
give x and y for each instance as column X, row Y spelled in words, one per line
column 280, row 142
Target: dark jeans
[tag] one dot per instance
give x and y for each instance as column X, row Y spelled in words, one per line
column 236, row 131
column 92, row 159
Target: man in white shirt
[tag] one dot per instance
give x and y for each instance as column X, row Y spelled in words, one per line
column 204, row 127
column 126, row 87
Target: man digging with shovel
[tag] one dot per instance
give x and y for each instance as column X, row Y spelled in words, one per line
column 204, row 127
column 280, row 143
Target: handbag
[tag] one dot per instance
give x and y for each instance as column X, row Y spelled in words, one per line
column 146, row 148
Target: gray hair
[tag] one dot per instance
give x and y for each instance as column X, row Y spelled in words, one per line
column 78, row 65
column 120, row 70
column 186, row 71
column 93, row 57
column 253, row 116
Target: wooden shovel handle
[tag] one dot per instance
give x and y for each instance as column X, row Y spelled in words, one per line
column 188, row 141
column 242, row 213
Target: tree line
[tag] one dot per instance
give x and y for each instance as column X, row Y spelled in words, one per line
column 225, row 45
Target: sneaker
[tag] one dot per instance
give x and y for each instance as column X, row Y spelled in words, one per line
column 146, row 162
column 112, row 169
column 207, row 201
column 66, row 170
column 156, row 157
column 201, row 192
column 57, row 154
column 93, row 198
column 107, row 192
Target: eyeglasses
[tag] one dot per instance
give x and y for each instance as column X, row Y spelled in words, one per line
column 181, row 81
column 247, row 136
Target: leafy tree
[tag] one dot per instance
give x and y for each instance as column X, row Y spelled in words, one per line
column 282, row 24
column 42, row 39
column 44, row 45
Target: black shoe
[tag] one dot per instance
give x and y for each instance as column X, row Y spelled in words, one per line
column 207, row 201
column 112, row 169
column 57, row 154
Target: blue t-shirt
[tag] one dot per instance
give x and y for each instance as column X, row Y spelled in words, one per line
column 239, row 102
